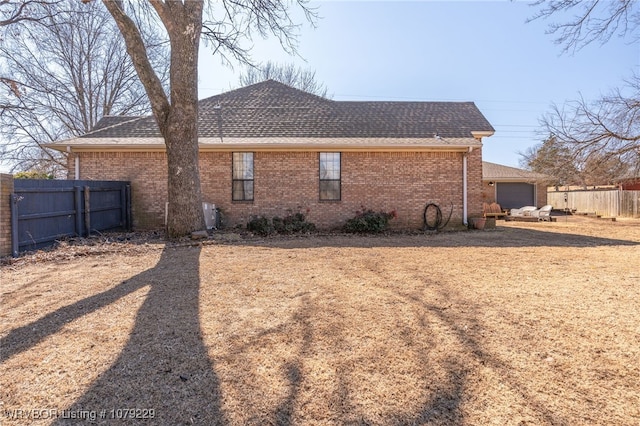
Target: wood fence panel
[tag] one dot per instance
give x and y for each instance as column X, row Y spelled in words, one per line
column 630, row 204
column 608, row 203
column 48, row 210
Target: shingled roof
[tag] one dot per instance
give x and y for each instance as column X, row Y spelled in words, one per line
column 498, row 172
column 113, row 120
column 271, row 110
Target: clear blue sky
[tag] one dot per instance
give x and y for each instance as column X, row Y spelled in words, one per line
column 480, row 51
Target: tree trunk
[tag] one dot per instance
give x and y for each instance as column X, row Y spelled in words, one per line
column 185, row 196
column 177, row 117
column 181, row 133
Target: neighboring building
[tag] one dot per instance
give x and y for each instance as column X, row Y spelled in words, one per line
column 511, row 187
column 267, row 149
column 629, row 184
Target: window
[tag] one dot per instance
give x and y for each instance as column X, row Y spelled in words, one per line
column 330, row 176
column 242, row 176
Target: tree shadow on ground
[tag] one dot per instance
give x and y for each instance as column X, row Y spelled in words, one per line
column 164, row 365
column 443, row 396
column 466, row 330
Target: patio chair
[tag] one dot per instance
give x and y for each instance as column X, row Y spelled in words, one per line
column 492, row 210
column 543, row 213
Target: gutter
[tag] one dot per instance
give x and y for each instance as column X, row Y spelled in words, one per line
column 465, row 220
column 272, row 144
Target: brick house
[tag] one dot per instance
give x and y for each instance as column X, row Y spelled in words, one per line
column 267, row 149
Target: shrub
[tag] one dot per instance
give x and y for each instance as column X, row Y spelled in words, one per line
column 260, row 225
column 290, row 224
column 366, row 221
column 33, row 175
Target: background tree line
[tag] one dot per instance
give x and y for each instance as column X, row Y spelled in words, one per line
column 63, row 68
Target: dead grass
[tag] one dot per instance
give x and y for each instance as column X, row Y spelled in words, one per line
column 531, row 323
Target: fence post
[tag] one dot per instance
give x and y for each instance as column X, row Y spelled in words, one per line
column 123, row 206
column 15, row 243
column 129, row 219
column 87, row 210
column 78, row 202
column 621, row 203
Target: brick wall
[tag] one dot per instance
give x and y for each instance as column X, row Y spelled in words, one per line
column 488, row 193
column 474, row 183
column 147, row 172
column 6, row 188
column 541, row 194
column 288, row 181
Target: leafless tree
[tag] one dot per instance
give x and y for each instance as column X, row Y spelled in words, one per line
column 15, row 11
column 604, row 170
column 62, row 74
column 602, row 136
column 555, row 160
column 588, row 21
column 601, row 133
column 227, row 27
column 289, row 74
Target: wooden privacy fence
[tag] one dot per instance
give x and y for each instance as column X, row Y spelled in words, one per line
column 43, row 211
column 609, row 203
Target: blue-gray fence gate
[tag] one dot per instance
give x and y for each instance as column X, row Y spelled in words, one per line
column 43, row 211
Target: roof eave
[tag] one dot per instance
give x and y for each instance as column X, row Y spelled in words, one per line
column 519, row 179
column 331, row 147
column 482, row 133
column 278, row 144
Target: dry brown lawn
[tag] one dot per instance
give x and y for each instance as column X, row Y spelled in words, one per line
column 531, row 323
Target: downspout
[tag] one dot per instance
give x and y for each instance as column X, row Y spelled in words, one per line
column 464, row 186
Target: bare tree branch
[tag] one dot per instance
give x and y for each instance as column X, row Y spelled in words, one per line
column 63, row 74
column 231, row 29
column 16, row 11
column 603, row 135
column 605, row 131
column 138, row 53
column 289, row 74
column 589, row 21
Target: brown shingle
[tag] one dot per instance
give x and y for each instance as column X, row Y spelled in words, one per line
column 493, row 171
column 272, row 109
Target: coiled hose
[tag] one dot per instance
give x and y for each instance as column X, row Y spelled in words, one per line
column 436, row 223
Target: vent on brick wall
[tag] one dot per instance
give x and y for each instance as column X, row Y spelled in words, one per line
column 210, row 215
